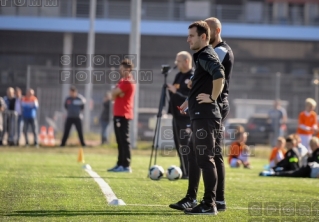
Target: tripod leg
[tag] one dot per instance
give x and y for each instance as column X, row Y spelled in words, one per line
column 154, row 139
column 157, row 127
column 162, row 104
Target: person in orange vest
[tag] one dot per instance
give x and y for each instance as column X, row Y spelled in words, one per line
column 307, row 123
column 30, row 107
column 278, row 152
column 239, row 151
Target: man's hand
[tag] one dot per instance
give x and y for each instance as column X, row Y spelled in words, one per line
column 189, row 84
column 117, row 92
column 171, row 88
column 183, row 107
column 203, row 98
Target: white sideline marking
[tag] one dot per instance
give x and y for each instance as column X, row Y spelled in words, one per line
column 106, row 189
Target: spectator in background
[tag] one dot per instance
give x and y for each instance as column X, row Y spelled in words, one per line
column 307, row 123
column 3, row 106
column 30, row 105
column 10, row 116
column 18, row 109
column 278, row 120
column 105, row 117
column 74, row 104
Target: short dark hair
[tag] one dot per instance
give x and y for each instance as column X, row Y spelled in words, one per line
column 201, row 28
column 73, row 89
column 128, row 64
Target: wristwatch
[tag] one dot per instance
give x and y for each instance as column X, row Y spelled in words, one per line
column 210, row 96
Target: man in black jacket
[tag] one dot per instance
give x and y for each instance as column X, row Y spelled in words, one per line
column 226, row 58
column 74, row 105
column 178, row 94
column 205, row 117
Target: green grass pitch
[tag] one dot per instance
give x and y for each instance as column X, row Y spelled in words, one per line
column 49, row 185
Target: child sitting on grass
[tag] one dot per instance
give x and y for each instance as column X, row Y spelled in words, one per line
column 291, row 160
column 239, row 151
column 278, row 152
column 310, row 170
column 303, row 151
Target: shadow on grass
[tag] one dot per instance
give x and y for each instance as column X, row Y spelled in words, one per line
column 111, row 177
column 66, row 213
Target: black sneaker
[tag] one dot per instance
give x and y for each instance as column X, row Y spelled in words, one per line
column 202, row 209
column 221, row 206
column 113, row 168
column 183, row 204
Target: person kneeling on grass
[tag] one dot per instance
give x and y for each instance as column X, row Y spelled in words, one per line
column 239, row 151
column 291, row 160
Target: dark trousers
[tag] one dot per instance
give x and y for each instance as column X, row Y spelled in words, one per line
column 10, row 118
column 104, row 125
column 194, row 170
column 202, row 154
column 33, row 123
column 67, row 127
column 19, row 126
column 121, row 129
column 301, row 172
column 181, row 138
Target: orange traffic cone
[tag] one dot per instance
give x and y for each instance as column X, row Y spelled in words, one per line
column 43, row 136
column 51, row 139
column 81, row 156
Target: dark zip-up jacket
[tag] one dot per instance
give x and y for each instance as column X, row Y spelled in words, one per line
column 176, row 99
column 291, row 160
column 207, row 69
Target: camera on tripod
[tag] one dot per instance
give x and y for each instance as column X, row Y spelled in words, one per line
column 166, row 69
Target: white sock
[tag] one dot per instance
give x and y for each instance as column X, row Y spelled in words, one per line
column 221, row 202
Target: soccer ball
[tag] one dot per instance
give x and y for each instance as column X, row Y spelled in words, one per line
column 156, row 172
column 174, row 173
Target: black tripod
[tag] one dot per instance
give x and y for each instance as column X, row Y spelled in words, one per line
column 165, row 70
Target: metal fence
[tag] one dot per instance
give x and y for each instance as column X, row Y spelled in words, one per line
column 291, row 88
column 171, row 11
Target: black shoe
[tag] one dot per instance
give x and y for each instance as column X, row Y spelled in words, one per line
column 184, row 177
column 202, row 209
column 220, row 207
column 184, row 203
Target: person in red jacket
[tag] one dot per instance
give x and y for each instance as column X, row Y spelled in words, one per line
column 123, row 96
